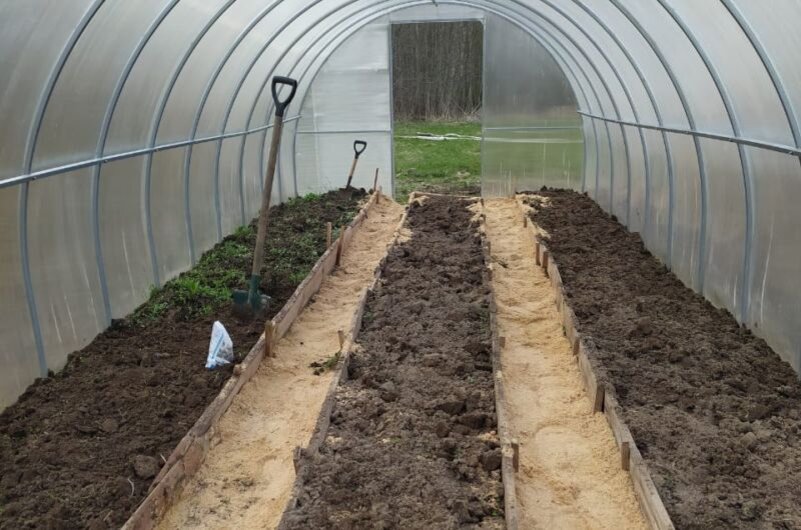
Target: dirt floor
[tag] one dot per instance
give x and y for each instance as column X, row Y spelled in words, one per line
column 714, row 411
column 412, row 443
column 570, row 475
column 81, row 448
column 247, row 478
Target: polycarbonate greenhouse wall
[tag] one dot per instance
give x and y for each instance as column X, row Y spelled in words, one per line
column 134, row 138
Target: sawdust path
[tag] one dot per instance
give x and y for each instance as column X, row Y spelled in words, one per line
column 247, row 477
column 570, row 476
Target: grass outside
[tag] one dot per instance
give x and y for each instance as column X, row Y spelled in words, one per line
column 450, row 166
column 532, row 159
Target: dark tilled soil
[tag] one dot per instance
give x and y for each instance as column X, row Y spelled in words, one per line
column 714, row 411
column 80, row 449
column 412, row 442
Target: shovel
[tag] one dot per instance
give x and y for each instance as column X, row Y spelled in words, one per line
column 358, row 148
column 252, row 301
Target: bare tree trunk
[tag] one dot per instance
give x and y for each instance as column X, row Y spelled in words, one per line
column 437, row 70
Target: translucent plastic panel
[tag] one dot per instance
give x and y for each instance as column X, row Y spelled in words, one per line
column 726, row 225
column 686, row 210
column 240, row 78
column 603, row 183
column 528, row 159
column 657, row 210
column 126, row 251
column 437, row 13
column 776, row 29
column 323, row 161
column 202, row 207
column 622, row 174
column 644, row 57
column 168, row 210
column 63, row 266
column 754, row 98
column 17, row 347
column 351, row 90
column 139, row 101
column 72, row 123
column 776, row 250
column 636, row 184
column 509, row 100
column 532, row 134
column 683, row 59
column 230, row 187
column 26, row 64
column 591, row 157
column 202, row 63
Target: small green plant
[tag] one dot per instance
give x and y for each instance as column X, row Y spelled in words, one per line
column 320, row 367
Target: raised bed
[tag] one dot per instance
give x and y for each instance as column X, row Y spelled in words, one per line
column 68, row 445
column 408, row 437
column 602, row 398
column 188, row 456
column 713, row 414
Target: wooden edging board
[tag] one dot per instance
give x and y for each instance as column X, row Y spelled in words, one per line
column 187, row 457
column 341, row 374
column 602, row 398
column 509, row 448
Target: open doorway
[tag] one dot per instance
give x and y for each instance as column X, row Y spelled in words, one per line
column 437, row 83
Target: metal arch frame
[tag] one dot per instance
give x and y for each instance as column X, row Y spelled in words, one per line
column 770, row 68
column 207, row 91
column 472, row 4
column 646, row 157
column 701, row 272
column 255, row 103
column 657, row 111
column 539, row 38
column 98, row 161
column 30, row 149
column 238, row 88
column 154, row 131
column 745, row 159
column 101, row 147
column 353, row 29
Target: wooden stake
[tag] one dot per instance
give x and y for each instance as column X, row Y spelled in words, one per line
column 341, row 335
column 269, row 333
column 625, row 455
column 537, row 253
column 329, row 231
column 375, row 181
column 515, row 455
column 525, row 221
column 545, row 258
column 378, row 197
column 339, row 247
column 598, row 406
column 576, row 346
column 502, row 342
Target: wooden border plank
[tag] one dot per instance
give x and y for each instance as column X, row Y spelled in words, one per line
column 509, row 446
column 194, row 446
column 603, row 399
column 341, row 373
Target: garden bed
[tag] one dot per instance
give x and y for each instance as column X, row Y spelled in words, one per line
column 712, row 409
column 79, row 449
column 412, row 439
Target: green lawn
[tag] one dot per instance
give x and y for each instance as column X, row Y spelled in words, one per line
column 450, row 166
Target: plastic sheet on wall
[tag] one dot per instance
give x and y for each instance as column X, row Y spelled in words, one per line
column 532, row 134
column 69, row 300
column 17, row 348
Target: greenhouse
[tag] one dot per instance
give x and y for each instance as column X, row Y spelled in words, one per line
column 638, row 160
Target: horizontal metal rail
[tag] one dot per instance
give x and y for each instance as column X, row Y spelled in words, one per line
column 13, row 181
column 355, row 131
column 781, row 148
column 536, row 128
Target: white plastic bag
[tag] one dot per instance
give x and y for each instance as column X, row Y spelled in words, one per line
column 221, row 347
